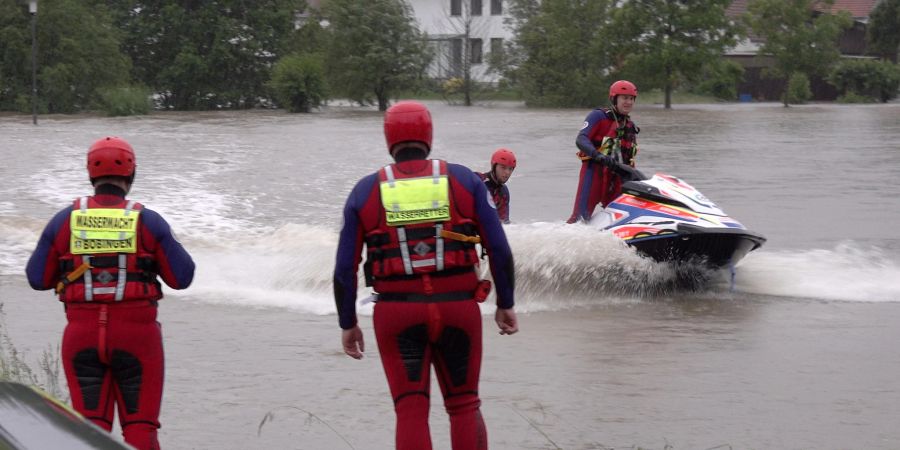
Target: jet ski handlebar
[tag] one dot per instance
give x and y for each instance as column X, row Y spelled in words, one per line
column 628, row 173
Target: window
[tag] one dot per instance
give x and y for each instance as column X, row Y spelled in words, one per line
column 455, row 7
column 475, row 56
column 476, row 7
column 496, row 46
column 496, row 7
column 456, row 56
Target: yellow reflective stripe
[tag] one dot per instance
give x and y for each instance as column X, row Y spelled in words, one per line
column 103, row 230
column 415, row 200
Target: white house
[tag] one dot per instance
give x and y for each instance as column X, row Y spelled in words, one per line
column 449, row 22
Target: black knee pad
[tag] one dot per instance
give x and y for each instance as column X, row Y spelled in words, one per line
column 454, row 347
column 411, row 344
column 127, row 371
column 89, row 370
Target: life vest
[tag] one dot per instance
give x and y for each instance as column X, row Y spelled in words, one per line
column 499, row 196
column 409, row 240
column 106, row 260
column 619, row 141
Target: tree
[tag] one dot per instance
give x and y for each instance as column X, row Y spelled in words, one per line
column 883, row 32
column 78, row 53
column 877, row 79
column 202, row 55
column 310, row 37
column 802, row 35
column 375, row 49
column 560, row 57
column 299, row 82
column 15, row 48
column 664, row 42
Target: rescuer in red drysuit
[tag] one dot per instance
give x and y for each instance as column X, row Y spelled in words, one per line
column 103, row 255
column 608, row 137
column 420, row 220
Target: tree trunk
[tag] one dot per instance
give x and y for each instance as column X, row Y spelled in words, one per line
column 668, row 94
column 382, row 97
column 668, row 99
column 467, row 88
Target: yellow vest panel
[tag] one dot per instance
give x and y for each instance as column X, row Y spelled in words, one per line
column 103, row 230
column 416, row 200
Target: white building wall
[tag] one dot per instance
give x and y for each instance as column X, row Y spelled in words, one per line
column 434, row 18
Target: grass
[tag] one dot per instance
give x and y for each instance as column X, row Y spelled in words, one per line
column 651, row 97
column 657, row 97
column 480, row 93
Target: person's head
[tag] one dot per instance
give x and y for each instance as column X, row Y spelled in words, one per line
column 622, row 95
column 503, row 162
column 407, row 130
column 111, row 161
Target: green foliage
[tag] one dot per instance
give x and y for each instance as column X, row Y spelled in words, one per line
column 15, row 52
column 658, row 97
column 125, row 100
column 299, row 82
column 798, row 91
column 853, row 97
column 883, row 29
column 663, row 43
column 375, row 49
column 309, row 38
column 866, row 77
column 205, row 55
column 78, row 53
column 561, row 56
column 799, row 38
column 452, row 89
column 719, row 79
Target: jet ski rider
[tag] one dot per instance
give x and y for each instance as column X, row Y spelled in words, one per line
column 608, row 137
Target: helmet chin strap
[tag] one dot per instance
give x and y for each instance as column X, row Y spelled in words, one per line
column 494, row 175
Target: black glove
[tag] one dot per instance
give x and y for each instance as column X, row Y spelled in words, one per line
column 605, row 160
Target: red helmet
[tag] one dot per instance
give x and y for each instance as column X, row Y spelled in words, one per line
column 110, row 156
column 407, row 121
column 505, row 157
column 622, row 87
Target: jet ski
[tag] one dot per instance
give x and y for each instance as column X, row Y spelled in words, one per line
column 666, row 219
column 31, row 419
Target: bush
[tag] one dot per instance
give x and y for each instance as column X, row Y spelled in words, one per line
column 452, row 86
column 853, row 97
column 125, row 101
column 453, row 90
column 866, row 77
column 299, row 82
column 797, row 91
column 720, row 80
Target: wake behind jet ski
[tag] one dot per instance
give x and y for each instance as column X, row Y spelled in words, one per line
column 666, row 219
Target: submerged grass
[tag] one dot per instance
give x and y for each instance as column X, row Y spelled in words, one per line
column 13, row 366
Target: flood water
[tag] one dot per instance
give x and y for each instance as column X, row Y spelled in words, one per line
column 800, row 353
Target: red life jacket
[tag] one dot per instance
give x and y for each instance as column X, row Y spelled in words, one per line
column 626, row 135
column 406, row 261
column 113, row 277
